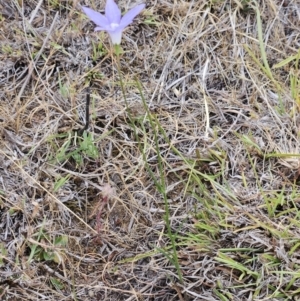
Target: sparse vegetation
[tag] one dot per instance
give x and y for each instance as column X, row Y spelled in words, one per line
column 185, row 186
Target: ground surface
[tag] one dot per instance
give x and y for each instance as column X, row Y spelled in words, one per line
column 193, row 196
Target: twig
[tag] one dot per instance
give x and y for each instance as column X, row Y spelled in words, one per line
column 57, row 201
column 32, row 63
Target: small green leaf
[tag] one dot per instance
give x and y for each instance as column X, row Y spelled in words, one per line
column 78, row 158
column 57, row 258
column 48, row 256
column 3, row 253
column 61, row 240
column 56, row 283
column 151, row 21
column 285, row 62
column 58, row 184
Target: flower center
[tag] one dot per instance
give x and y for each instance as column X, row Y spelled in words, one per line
column 114, row 25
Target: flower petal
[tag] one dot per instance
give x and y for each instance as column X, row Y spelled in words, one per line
column 112, row 12
column 130, row 15
column 96, row 17
column 115, row 36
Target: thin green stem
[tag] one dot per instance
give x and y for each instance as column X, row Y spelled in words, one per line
column 117, row 52
column 160, row 184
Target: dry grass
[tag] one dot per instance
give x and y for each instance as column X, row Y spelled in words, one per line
column 92, row 226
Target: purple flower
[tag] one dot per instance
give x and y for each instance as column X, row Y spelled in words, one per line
column 113, row 22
